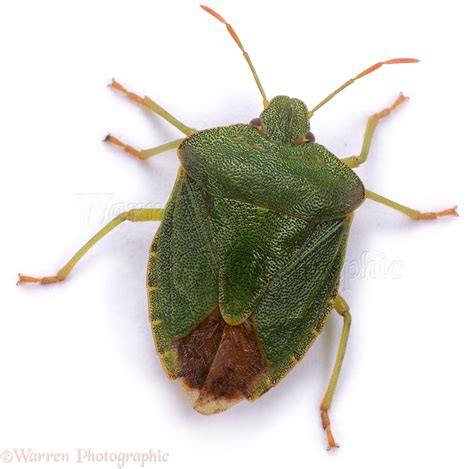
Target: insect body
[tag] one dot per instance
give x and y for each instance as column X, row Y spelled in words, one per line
column 244, row 269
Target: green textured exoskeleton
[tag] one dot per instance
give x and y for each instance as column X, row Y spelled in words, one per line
column 244, row 269
column 250, row 231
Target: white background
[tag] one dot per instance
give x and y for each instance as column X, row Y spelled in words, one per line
column 78, row 364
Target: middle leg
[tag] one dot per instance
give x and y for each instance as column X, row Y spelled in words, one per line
column 142, row 154
column 135, row 215
column 411, row 212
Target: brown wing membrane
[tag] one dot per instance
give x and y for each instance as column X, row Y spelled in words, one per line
column 219, row 363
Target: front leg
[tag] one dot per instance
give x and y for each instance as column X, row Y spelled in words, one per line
column 154, row 107
column 354, row 161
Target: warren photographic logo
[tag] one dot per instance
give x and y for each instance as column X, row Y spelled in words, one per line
column 118, row 459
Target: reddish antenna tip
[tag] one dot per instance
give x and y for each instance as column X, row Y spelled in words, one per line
column 231, row 31
column 385, row 62
column 228, row 26
column 213, row 13
column 402, row 61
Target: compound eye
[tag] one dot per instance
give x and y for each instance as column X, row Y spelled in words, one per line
column 309, row 137
column 257, row 122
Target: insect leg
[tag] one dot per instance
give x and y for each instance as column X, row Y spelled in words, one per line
column 152, row 106
column 142, row 154
column 412, row 213
column 343, row 309
column 143, row 214
column 354, row 161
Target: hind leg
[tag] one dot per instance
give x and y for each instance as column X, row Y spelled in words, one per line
column 343, row 309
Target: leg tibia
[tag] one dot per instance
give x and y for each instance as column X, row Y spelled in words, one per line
column 354, row 161
column 154, row 107
column 145, row 214
column 411, row 212
column 343, row 309
column 142, row 154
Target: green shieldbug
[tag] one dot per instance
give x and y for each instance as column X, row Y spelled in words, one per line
column 244, row 268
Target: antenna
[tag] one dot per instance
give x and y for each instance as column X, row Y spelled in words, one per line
column 241, row 47
column 360, row 75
